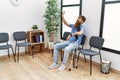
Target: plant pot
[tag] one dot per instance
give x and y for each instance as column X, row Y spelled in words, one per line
column 51, row 38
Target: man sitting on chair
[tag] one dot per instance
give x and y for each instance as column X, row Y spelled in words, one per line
column 77, row 30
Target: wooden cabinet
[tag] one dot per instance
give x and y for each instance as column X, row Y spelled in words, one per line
column 36, row 37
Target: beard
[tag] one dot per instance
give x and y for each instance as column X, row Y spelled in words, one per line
column 77, row 23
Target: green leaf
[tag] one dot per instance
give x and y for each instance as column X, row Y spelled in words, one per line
column 52, row 16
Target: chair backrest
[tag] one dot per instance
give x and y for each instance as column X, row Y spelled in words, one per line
column 19, row 35
column 65, row 35
column 96, row 42
column 4, row 37
column 83, row 40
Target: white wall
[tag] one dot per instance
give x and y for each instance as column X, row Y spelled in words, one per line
column 21, row 18
column 92, row 11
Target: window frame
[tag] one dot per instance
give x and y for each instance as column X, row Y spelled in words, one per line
column 104, row 2
column 70, row 5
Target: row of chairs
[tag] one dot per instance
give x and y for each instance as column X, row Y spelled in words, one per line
column 94, row 42
column 20, row 39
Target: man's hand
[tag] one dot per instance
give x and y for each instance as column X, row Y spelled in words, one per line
column 63, row 13
column 63, row 19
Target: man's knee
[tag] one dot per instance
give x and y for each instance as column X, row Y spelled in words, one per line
column 67, row 49
column 56, row 46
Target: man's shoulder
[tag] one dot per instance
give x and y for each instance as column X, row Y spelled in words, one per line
column 71, row 25
column 81, row 26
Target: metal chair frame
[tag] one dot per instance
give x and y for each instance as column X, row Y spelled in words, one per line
column 20, row 38
column 4, row 38
column 94, row 42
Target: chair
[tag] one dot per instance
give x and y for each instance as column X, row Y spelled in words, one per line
column 82, row 44
column 94, row 42
column 65, row 35
column 79, row 48
column 74, row 55
column 20, row 38
column 4, row 38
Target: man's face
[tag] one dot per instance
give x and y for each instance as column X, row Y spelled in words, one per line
column 79, row 21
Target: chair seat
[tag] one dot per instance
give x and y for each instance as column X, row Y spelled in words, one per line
column 5, row 47
column 89, row 52
column 23, row 44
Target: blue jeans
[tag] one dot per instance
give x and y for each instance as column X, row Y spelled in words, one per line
column 67, row 46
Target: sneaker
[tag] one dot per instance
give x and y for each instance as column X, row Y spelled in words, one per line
column 54, row 65
column 62, row 67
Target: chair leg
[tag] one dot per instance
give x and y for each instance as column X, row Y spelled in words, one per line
column 8, row 53
column 90, row 65
column 18, row 54
column 13, row 54
column 84, row 57
column 100, row 58
column 32, row 54
column 15, row 49
column 25, row 50
column 78, row 55
column 61, row 55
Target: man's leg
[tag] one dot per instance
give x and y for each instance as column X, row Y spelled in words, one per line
column 67, row 50
column 66, row 55
column 57, row 47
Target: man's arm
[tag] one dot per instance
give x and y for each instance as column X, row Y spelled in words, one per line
column 80, row 32
column 64, row 21
column 77, row 33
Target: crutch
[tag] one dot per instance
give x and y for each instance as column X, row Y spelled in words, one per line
column 74, row 55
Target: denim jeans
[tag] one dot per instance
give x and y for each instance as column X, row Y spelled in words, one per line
column 67, row 46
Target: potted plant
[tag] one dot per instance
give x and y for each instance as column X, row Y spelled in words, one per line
column 34, row 27
column 52, row 18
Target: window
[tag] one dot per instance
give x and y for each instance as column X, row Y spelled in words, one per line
column 110, row 24
column 72, row 10
column 68, row 2
column 111, row 0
